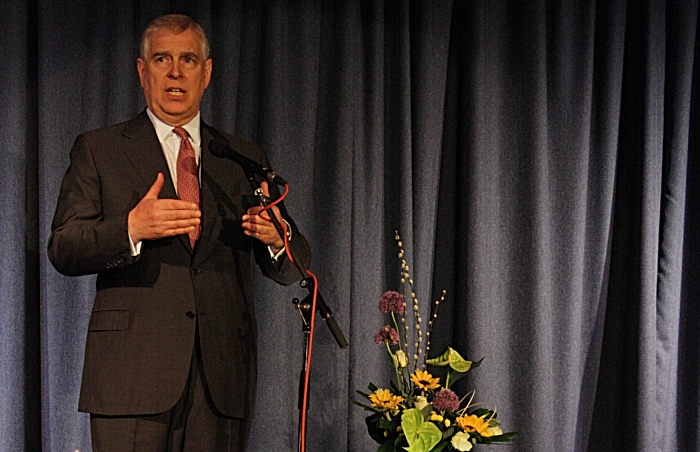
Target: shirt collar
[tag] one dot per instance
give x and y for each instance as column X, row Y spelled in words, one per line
column 193, row 128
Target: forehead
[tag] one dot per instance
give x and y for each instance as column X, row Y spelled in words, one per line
column 175, row 43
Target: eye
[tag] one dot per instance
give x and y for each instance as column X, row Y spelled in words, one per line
column 161, row 59
column 189, row 61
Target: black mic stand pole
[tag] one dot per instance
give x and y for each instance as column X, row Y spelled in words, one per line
column 304, row 308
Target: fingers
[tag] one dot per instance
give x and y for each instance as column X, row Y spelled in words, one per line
column 169, row 228
column 255, row 211
column 265, row 233
column 154, row 218
column 178, row 205
column 264, row 188
column 256, row 215
column 155, row 189
column 256, row 224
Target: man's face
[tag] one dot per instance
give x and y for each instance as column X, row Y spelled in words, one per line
column 174, row 76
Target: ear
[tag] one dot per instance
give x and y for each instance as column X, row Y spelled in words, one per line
column 207, row 72
column 141, row 67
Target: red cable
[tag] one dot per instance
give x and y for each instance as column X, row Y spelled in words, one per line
column 313, row 316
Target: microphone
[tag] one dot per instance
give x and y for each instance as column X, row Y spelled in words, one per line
column 221, row 149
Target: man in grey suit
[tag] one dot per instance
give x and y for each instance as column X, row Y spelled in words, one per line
column 170, row 360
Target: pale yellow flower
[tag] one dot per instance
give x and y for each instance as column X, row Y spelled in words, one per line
column 472, row 423
column 383, row 398
column 420, row 402
column 424, row 380
column 435, row 417
column 495, row 431
column 461, row 442
column 447, row 423
column 401, row 358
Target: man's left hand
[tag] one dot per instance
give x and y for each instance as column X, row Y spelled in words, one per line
column 256, row 226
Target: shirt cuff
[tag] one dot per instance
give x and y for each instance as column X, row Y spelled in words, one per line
column 135, row 248
column 274, row 256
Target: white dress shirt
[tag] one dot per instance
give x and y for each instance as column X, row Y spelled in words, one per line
column 170, row 142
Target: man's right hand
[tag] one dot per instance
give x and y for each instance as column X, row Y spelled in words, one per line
column 154, row 218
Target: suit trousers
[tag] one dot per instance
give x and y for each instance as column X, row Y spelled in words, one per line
column 192, row 425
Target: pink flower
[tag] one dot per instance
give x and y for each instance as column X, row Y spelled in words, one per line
column 391, row 302
column 446, row 399
column 387, row 334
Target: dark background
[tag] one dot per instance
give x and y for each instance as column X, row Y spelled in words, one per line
column 540, row 159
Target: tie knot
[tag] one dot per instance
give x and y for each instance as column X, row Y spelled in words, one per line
column 182, row 133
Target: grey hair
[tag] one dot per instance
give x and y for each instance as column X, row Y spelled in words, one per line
column 173, row 23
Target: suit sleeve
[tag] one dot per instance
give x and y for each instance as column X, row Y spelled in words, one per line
column 283, row 271
column 82, row 241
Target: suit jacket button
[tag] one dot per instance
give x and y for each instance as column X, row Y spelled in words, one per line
column 196, row 271
column 190, row 315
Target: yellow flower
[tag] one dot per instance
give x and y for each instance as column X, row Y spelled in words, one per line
column 383, row 398
column 461, row 442
column 424, row 380
column 435, row 417
column 472, row 423
column 495, row 431
column 447, row 423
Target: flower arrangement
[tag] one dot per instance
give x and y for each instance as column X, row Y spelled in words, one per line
column 418, row 413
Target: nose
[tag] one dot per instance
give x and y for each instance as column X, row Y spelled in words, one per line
column 174, row 69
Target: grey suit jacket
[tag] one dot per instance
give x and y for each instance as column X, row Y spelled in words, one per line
column 141, row 333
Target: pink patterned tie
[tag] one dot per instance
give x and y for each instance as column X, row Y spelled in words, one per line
column 187, row 181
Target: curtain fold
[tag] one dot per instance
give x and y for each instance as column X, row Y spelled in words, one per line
column 20, row 366
column 539, row 160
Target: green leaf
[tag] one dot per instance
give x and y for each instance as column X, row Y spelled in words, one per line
column 372, row 387
column 481, row 412
column 387, row 446
column 452, row 358
column 389, row 424
column 421, row 436
column 441, row 445
column 377, row 431
column 366, row 407
column 504, row 438
column 426, row 411
column 362, row 394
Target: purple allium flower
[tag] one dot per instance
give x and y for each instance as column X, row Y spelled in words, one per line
column 446, row 399
column 387, row 334
column 391, row 301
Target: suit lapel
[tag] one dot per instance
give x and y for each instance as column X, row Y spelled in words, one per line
column 208, row 164
column 146, row 155
column 224, row 188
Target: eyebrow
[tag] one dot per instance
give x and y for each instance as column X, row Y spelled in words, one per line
column 192, row 55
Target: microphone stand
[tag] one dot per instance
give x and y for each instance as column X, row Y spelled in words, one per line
column 304, row 308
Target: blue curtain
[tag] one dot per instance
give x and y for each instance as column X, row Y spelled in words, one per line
column 539, row 158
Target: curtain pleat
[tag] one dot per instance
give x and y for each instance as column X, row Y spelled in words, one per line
column 539, row 160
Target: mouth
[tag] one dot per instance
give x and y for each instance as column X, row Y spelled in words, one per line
column 177, row 92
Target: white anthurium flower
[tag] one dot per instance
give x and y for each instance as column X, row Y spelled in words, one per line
column 420, row 402
column 495, row 430
column 461, row 442
column 401, row 358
